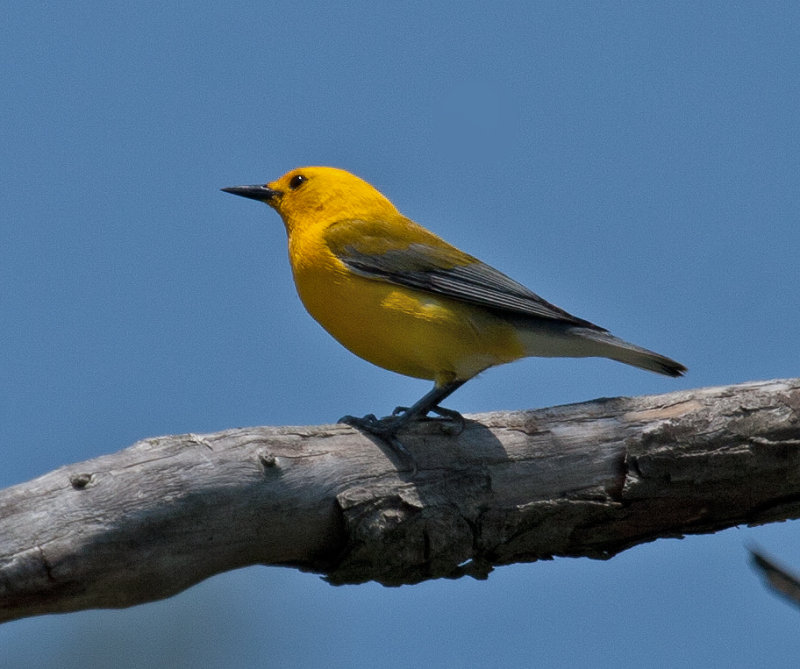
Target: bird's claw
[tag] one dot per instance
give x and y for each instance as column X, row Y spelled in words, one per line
column 380, row 427
column 449, row 420
column 452, row 422
column 384, row 429
column 363, row 422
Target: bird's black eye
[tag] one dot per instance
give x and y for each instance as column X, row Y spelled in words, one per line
column 297, row 181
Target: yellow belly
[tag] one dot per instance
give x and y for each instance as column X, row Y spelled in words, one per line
column 404, row 330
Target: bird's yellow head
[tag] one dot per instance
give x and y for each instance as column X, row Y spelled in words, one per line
column 309, row 196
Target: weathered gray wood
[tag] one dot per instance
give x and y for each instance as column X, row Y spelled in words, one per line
column 586, row 479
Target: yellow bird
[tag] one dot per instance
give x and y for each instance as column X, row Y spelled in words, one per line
column 402, row 298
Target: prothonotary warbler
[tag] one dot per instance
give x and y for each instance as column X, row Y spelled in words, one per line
column 402, row 298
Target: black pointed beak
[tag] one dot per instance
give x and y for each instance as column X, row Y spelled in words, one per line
column 260, row 193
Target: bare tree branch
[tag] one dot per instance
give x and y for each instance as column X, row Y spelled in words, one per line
column 586, row 479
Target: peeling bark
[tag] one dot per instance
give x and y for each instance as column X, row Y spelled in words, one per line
column 588, row 479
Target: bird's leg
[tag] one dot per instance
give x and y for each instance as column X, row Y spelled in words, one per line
column 430, row 404
column 387, row 428
column 402, row 416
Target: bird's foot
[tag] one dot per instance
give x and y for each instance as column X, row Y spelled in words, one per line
column 386, row 430
column 450, row 421
column 380, row 427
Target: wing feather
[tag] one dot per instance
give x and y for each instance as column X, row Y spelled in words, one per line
column 383, row 252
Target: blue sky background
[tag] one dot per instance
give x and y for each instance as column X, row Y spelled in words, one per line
column 635, row 163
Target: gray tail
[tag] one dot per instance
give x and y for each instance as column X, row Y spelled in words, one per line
column 615, row 348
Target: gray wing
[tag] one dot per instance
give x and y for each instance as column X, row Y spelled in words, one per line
column 436, row 270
